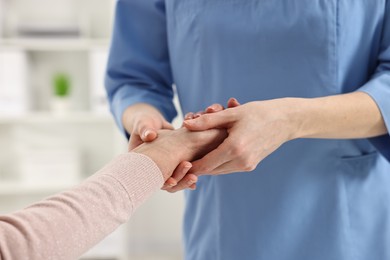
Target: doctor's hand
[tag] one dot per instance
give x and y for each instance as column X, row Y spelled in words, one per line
column 255, row 130
column 143, row 121
column 179, row 179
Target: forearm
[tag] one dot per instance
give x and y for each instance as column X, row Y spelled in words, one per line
column 66, row 225
column 353, row 115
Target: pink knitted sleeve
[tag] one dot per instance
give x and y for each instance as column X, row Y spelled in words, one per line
column 66, row 225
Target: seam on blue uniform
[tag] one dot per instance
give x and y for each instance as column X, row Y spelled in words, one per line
column 350, row 249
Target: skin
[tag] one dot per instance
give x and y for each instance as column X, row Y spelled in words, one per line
column 257, row 129
column 181, row 177
column 143, row 122
column 175, row 146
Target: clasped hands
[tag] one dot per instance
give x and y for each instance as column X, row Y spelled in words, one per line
column 215, row 141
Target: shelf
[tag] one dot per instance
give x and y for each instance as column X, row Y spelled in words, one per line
column 54, row 44
column 14, row 188
column 47, row 117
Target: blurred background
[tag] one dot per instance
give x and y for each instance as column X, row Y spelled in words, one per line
column 55, row 126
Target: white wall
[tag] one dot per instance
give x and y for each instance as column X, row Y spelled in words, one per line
column 30, row 126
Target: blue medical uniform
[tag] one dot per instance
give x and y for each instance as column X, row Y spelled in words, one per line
column 312, row 199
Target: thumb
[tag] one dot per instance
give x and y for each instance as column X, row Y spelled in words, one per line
column 220, row 119
column 147, row 130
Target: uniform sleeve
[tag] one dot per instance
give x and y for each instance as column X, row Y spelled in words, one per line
column 138, row 69
column 379, row 86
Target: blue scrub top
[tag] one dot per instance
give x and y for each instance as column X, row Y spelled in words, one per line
column 311, row 199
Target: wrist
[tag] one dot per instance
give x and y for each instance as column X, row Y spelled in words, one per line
column 297, row 114
column 352, row 115
column 164, row 159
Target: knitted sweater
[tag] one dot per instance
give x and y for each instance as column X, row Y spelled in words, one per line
column 66, row 225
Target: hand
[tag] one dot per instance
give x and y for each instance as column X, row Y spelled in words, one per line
column 173, row 147
column 142, row 121
column 181, row 179
column 232, row 102
column 254, row 130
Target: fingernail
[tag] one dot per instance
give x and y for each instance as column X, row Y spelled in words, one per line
column 189, row 115
column 171, row 182
column 190, row 182
column 146, row 133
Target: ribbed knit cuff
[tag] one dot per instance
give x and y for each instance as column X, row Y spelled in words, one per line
column 138, row 174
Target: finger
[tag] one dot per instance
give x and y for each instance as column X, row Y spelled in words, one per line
column 198, row 114
column 146, row 130
column 149, row 135
column 227, row 167
column 212, row 160
column 185, row 183
column 214, row 108
column 232, row 102
column 231, row 166
column 171, row 182
column 193, row 187
column 209, row 121
column 189, row 115
column 180, row 171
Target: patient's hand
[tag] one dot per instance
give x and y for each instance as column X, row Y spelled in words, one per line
column 173, row 147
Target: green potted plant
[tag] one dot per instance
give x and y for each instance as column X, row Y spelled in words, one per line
column 61, row 93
